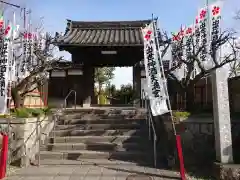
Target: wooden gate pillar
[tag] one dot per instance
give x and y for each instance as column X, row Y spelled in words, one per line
column 88, row 85
column 137, row 85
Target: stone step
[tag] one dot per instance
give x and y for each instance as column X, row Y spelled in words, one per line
column 86, row 154
column 78, row 119
column 102, row 121
column 98, row 126
column 92, row 116
column 77, row 132
column 121, row 116
column 89, row 139
column 96, row 146
column 102, row 110
column 76, row 111
column 102, row 162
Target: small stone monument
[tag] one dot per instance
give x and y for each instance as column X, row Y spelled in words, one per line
column 222, row 122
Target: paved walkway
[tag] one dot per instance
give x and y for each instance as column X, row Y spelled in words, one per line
column 92, row 172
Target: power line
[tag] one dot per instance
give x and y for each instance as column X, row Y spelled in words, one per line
column 17, row 6
column 10, row 4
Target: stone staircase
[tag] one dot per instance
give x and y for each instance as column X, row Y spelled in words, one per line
column 99, row 136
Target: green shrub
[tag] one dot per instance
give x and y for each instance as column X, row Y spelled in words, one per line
column 35, row 112
column 46, row 110
column 102, row 99
column 181, row 114
column 29, row 112
column 22, row 113
column 4, row 115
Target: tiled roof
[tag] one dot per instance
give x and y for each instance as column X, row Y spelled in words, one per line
column 114, row 33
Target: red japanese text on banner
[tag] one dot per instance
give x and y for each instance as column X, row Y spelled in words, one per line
column 155, row 84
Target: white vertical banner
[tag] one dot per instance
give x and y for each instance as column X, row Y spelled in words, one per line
column 19, row 61
column 8, row 39
column 183, row 45
column 196, row 42
column 30, row 51
column 14, row 36
column 183, row 41
column 215, row 22
column 4, row 68
column 155, row 83
column 18, row 53
column 41, row 43
column 23, row 62
column 204, row 38
column 189, row 43
column 178, row 53
column 36, row 40
column 15, row 50
column 174, row 48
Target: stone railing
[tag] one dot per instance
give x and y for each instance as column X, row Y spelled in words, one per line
column 24, row 137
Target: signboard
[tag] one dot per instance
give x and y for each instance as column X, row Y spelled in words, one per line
column 155, row 83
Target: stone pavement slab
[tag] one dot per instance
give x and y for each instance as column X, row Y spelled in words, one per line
column 91, row 172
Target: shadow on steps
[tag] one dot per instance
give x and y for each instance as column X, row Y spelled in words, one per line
column 75, row 137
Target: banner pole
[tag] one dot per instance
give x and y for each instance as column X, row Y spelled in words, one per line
column 178, row 137
column 163, row 75
column 4, row 156
column 180, row 156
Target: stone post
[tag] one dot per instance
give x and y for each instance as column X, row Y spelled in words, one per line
column 222, row 122
column 88, row 85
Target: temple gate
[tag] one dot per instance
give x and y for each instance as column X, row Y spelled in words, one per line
column 99, row 44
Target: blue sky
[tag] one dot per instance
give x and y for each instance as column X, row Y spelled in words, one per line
column 171, row 14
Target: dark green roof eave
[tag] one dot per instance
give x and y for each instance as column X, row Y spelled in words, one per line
column 103, row 33
column 98, row 45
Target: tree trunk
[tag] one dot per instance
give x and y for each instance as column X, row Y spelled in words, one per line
column 190, row 99
column 100, row 89
column 17, row 99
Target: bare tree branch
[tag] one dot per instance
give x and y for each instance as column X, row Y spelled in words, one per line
column 193, row 60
